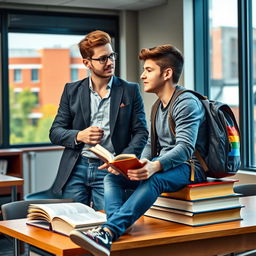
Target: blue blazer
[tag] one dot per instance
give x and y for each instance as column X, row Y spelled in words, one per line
column 128, row 130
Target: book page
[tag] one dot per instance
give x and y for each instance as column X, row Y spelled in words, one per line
column 82, row 219
column 124, row 156
column 61, row 209
column 102, row 153
column 38, row 215
column 65, row 224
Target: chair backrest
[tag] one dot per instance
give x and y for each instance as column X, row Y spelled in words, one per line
column 45, row 194
column 19, row 209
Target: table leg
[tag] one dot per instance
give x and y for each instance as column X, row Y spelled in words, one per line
column 14, row 193
column 16, row 247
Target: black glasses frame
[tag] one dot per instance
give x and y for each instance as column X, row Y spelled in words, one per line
column 104, row 59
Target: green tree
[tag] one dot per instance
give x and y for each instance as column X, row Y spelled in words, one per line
column 21, row 105
column 22, row 129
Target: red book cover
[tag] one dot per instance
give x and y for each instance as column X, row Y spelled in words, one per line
column 210, row 189
column 124, row 165
column 212, row 181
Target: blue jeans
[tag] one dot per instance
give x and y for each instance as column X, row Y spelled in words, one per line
column 85, row 183
column 122, row 212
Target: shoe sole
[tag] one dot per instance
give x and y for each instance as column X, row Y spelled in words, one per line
column 89, row 244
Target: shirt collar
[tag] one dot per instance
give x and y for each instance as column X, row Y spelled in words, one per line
column 109, row 85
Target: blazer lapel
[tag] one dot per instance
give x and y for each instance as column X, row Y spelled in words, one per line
column 115, row 101
column 84, row 97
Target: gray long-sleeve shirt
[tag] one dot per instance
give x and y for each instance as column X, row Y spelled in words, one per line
column 189, row 117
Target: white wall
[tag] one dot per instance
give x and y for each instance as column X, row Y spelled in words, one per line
column 129, row 45
column 168, row 24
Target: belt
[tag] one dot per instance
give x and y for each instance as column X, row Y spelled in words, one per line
column 91, row 160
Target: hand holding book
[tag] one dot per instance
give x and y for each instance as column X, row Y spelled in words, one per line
column 144, row 173
column 109, row 168
column 121, row 163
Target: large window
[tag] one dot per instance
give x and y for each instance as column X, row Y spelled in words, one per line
column 36, row 107
column 225, row 62
column 40, row 56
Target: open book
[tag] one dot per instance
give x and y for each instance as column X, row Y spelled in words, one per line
column 64, row 217
column 120, row 163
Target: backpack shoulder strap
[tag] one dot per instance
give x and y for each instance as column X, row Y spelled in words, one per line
column 177, row 93
column 153, row 134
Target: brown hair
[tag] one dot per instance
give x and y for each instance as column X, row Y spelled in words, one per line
column 91, row 40
column 165, row 56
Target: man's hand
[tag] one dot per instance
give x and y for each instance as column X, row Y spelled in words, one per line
column 90, row 135
column 146, row 171
column 110, row 169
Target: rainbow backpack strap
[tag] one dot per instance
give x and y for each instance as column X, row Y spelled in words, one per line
column 234, row 139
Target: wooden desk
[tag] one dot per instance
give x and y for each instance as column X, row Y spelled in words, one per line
column 13, row 182
column 154, row 237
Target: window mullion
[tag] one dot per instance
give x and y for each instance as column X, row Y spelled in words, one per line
column 5, row 91
column 201, row 44
column 245, row 53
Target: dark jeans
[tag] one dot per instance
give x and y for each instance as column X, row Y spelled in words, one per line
column 85, row 184
column 122, row 213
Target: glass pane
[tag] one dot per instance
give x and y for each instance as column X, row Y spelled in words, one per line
column 39, row 67
column 224, row 52
column 254, row 74
column 224, row 84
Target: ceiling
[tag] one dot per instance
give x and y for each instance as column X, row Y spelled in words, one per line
column 98, row 4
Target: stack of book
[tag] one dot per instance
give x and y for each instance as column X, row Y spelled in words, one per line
column 199, row 204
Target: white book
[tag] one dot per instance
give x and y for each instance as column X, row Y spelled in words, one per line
column 64, row 217
column 199, row 205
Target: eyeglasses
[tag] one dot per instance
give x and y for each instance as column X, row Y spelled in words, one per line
column 104, row 59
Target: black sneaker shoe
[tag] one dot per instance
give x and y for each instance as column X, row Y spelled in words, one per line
column 98, row 241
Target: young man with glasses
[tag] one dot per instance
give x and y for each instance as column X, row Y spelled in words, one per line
column 101, row 109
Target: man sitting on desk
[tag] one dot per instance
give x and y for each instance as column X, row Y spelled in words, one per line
column 100, row 109
column 168, row 169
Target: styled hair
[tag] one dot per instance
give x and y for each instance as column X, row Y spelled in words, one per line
column 92, row 40
column 165, row 56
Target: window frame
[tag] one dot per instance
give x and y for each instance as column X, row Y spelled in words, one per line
column 4, row 76
column 245, row 69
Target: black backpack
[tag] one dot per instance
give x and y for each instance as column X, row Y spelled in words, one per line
column 223, row 156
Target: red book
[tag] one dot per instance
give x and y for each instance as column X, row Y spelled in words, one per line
column 211, row 188
column 121, row 163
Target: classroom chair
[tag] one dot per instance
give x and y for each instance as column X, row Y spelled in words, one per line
column 19, row 210
column 45, row 194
